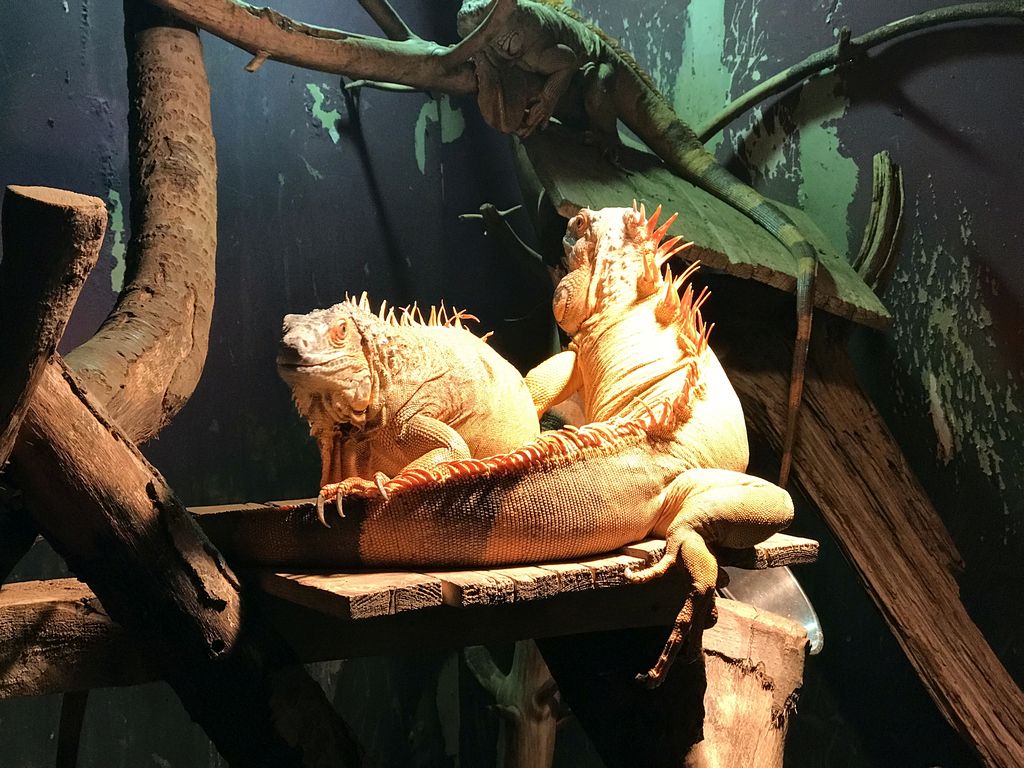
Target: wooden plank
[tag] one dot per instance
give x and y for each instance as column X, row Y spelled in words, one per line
column 572, row 577
column 577, row 176
column 531, row 582
column 355, row 595
column 461, row 589
column 609, row 571
column 55, row 636
column 649, row 551
column 776, row 551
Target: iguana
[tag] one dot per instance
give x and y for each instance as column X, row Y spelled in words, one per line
column 554, row 43
column 665, row 457
column 385, row 392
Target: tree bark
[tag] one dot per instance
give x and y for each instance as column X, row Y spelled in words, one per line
column 37, row 295
column 120, row 528
column 851, row 468
column 145, row 361
column 36, row 299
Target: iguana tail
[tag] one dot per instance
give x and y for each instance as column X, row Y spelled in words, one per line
column 647, row 113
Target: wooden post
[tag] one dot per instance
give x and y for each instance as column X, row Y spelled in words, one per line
column 119, row 527
column 51, row 239
column 728, row 708
column 525, row 702
column 754, row 663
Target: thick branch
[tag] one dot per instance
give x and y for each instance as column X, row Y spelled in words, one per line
column 138, row 548
column 37, row 295
column 419, row 63
column 145, row 361
column 36, row 299
column 853, row 471
column 848, row 48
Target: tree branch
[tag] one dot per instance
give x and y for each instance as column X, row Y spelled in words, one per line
column 121, row 530
column 36, row 299
column 849, row 48
column 37, row 295
column 419, row 63
column 145, row 361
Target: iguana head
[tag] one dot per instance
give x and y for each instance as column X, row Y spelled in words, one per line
column 322, row 358
column 613, row 259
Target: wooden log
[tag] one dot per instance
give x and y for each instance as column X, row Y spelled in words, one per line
column 119, row 527
column 144, row 362
column 851, row 468
column 51, row 240
column 525, row 701
column 754, row 663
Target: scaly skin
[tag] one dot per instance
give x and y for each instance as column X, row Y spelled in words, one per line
column 551, row 42
column 666, row 456
column 386, row 393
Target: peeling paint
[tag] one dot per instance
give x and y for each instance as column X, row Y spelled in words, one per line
column 828, row 180
column 937, row 410
column 939, row 294
column 451, row 121
column 118, row 249
column 328, row 119
column 311, row 170
column 809, row 155
column 704, row 82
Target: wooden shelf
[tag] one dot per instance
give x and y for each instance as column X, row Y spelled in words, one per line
column 55, row 635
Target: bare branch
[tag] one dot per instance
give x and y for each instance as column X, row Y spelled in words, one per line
column 387, row 18
column 422, row 64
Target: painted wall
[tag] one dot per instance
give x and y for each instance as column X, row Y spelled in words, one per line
column 308, row 211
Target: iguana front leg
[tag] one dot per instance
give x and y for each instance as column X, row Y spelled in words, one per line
column 431, row 441
column 558, row 63
column 554, row 380
column 703, row 507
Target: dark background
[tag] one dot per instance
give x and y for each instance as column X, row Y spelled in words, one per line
column 309, row 209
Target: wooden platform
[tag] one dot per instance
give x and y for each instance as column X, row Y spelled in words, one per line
column 55, row 635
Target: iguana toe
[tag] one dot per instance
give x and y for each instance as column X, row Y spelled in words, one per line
column 379, row 478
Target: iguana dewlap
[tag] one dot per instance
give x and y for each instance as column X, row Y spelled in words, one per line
column 385, row 392
column 665, row 457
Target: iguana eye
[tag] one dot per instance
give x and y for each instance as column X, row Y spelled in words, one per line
column 336, row 334
column 580, row 223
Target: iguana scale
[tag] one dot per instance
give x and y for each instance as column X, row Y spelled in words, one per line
column 665, row 457
column 556, row 44
column 385, row 392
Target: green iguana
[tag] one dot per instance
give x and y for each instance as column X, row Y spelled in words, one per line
column 570, row 55
column 666, row 456
column 385, row 393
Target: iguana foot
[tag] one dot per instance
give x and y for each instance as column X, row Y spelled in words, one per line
column 336, row 492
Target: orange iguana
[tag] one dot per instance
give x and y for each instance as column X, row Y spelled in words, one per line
column 385, row 393
column 545, row 61
column 666, row 456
